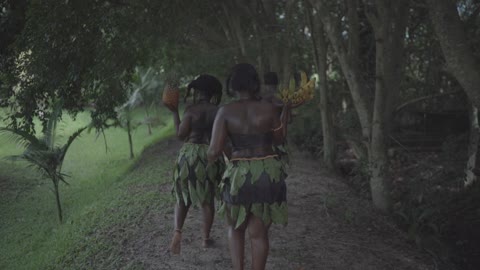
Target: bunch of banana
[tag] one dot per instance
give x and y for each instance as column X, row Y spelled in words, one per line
column 302, row 94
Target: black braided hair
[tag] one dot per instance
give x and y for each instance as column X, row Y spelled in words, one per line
column 243, row 77
column 206, row 84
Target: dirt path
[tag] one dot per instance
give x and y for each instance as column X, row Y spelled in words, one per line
column 329, row 228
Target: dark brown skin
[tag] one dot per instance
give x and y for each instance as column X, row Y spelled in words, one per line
column 200, row 114
column 269, row 92
column 248, row 116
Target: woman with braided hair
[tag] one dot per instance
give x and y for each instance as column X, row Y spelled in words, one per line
column 253, row 185
column 194, row 182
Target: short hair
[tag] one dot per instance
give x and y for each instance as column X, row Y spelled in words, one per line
column 243, row 77
column 270, row 78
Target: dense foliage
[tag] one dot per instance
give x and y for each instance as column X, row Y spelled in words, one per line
column 391, row 73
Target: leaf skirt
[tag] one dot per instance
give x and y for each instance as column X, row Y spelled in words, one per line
column 282, row 152
column 193, row 181
column 254, row 187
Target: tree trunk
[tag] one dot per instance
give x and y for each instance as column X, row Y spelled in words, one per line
column 149, row 125
column 348, row 62
column 57, row 198
column 233, row 21
column 286, row 47
column 459, row 56
column 378, row 151
column 470, row 176
column 320, row 49
column 129, row 131
column 271, row 31
column 389, row 24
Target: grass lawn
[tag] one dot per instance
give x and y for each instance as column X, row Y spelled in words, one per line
column 96, row 199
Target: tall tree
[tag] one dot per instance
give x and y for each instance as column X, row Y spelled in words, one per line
column 389, row 21
column 456, row 47
column 320, row 49
column 462, row 63
column 348, row 55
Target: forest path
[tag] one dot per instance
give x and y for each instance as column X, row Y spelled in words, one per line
column 330, row 227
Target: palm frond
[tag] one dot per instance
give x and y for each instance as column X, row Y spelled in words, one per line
column 13, row 158
column 61, row 177
column 22, row 138
column 75, row 135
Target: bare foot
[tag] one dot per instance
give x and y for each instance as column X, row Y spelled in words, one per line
column 207, row 243
column 176, row 242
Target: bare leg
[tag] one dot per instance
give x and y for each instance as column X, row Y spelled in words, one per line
column 208, row 212
column 258, row 233
column 236, row 242
column 181, row 211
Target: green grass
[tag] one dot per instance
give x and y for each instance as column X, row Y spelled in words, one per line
column 97, row 198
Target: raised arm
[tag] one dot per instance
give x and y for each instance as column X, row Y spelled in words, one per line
column 219, row 135
column 182, row 128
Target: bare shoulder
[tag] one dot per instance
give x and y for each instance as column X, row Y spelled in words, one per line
column 222, row 110
column 228, row 108
column 268, row 105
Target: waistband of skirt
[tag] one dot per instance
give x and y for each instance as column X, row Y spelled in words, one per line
column 254, row 158
column 190, row 143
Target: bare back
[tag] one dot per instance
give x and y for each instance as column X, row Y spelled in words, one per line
column 198, row 120
column 250, row 123
column 250, row 117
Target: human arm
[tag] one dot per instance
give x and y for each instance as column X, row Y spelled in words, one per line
column 219, row 135
column 280, row 125
column 182, row 127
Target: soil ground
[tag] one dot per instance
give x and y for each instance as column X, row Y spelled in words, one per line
column 330, row 227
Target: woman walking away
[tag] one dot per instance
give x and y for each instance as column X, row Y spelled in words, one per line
column 253, row 185
column 194, row 182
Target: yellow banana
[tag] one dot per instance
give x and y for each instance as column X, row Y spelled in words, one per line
column 304, row 79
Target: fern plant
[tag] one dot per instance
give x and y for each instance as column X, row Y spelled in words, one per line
column 44, row 153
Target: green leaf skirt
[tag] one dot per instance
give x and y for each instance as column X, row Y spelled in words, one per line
column 254, row 187
column 282, row 152
column 193, row 181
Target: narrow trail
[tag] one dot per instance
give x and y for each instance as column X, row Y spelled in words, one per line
column 329, row 227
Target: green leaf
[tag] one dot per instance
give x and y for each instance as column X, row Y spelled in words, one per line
column 209, row 192
column 191, row 154
column 228, row 171
column 23, row 139
column 185, row 195
column 273, row 169
column 221, row 210
column 202, row 191
column 266, row 214
column 184, row 171
column 256, row 170
column 175, row 172
column 200, row 172
column 257, row 209
column 213, row 172
column 193, row 194
column 242, row 215
column 234, row 209
column 279, row 213
column 237, row 180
